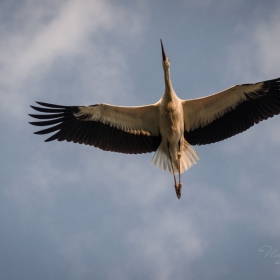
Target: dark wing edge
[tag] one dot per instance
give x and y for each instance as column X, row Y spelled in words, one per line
column 66, row 126
column 258, row 106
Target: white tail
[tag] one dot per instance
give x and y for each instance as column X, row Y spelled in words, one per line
column 161, row 159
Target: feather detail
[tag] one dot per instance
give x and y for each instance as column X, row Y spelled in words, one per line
column 161, row 158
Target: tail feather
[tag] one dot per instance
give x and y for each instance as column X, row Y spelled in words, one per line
column 161, row 159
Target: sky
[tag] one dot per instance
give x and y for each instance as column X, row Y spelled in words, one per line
column 70, row 211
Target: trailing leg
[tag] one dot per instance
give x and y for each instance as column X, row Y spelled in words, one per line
column 172, row 165
column 178, row 187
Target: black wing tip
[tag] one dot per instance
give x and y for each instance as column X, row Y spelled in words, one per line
column 49, row 140
column 35, row 116
column 50, row 105
column 39, row 103
column 272, row 81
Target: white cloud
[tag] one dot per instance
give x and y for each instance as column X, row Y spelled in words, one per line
column 68, row 29
column 267, row 40
column 256, row 50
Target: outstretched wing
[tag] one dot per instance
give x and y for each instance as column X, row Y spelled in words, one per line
column 131, row 130
column 219, row 116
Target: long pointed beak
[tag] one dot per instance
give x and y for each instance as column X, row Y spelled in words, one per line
column 163, row 52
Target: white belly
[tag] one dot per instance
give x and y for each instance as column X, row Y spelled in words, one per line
column 172, row 123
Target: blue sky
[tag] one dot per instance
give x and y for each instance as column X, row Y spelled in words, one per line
column 70, row 211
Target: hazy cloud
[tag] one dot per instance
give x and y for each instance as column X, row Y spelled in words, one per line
column 76, row 212
column 54, row 31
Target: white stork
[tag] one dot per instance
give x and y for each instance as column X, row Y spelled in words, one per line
column 168, row 127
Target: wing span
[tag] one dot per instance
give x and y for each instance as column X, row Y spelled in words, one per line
column 130, row 130
column 219, row 116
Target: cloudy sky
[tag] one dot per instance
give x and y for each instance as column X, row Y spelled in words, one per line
column 70, row 211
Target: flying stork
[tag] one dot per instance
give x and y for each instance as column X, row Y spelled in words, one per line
column 168, row 127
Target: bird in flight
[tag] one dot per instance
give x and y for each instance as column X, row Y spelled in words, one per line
column 169, row 127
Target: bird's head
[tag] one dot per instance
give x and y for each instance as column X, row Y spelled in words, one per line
column 165, row 59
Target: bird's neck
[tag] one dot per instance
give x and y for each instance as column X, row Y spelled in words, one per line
column 168, row 85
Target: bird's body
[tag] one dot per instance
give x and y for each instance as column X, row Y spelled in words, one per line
column 168, row 127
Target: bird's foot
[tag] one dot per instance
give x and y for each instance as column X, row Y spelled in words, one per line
column 178, row 190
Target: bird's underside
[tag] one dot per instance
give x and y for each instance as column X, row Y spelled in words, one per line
column 167, row 129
